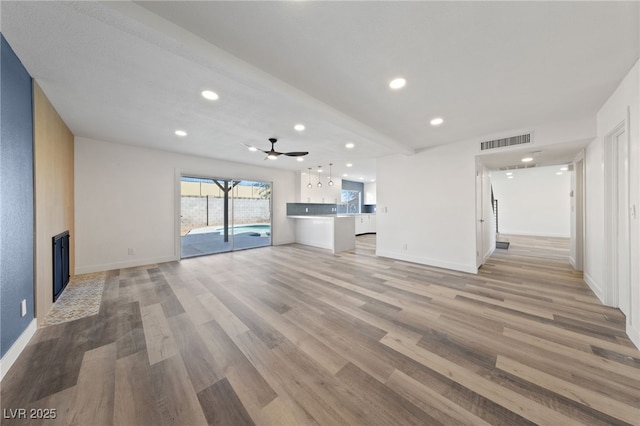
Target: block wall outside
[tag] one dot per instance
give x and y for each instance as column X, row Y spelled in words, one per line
column 194, row 211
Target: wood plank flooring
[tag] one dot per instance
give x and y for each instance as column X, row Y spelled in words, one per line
column 293, row 335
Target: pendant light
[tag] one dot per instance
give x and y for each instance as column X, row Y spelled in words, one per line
column 330, row 181
column 319, row 171
column 309, row 185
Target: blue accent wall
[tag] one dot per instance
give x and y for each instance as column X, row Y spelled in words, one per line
column 16, row 197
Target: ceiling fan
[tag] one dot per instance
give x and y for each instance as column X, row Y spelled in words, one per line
column 272, row 154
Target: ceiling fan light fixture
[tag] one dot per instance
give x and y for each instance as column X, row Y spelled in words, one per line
column 272, row 154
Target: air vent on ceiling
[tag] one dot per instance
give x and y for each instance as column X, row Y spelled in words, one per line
column 510, row 141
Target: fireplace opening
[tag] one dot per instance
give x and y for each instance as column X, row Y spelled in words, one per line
column 60, row 263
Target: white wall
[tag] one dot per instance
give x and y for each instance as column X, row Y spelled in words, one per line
column 534, row 202
column 430, row 197
column 126, row 197
column 426, row 207
column 626, row 96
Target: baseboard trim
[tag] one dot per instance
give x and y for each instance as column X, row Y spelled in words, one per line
column 634, row 335
column 429, row 262
column 572, row 262
column 16, row 349
column 595, row 288
column 534, row 234
column 488, row 254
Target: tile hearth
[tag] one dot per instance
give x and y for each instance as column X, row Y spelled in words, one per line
column 81, row 298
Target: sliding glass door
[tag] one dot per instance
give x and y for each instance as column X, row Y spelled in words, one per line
column 221, row 215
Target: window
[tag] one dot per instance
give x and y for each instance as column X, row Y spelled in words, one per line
column 350, row 201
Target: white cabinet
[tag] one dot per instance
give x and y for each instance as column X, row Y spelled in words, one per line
column 365, row 224
column 372, row 223
column 360, row 225
column 370, row 193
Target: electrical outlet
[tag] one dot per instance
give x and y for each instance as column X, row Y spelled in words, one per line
column 306, row 209
column 23, row 307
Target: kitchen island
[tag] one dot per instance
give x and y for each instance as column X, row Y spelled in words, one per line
column 332, row 232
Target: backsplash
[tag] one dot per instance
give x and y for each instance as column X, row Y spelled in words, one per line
column 310, row 209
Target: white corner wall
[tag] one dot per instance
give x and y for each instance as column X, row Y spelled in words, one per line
column 126, row 197
column 534, row 202
column 623, row 103
column 426, row 207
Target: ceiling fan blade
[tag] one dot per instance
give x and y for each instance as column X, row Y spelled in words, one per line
column 273, row 154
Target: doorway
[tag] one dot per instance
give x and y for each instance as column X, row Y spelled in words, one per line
column 485, row 216
column 618, row 243
column 223, row 215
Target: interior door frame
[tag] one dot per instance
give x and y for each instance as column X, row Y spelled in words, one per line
column 485, row 216
column 611, row 157
column 579, row 195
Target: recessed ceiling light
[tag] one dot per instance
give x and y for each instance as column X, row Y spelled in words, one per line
column 509, row 173
column 300, row 159
column 349, row 164
column 397, row 83
column 181, row 133
column 299, row 127
column 558, row 173
column 564, row 169
column 345, row 175
column 437, row 121
column 527, row 159
column 349, row 145
column 361, row 178
column 208, row 94
column 253, row 149
column 372, row 180
column 509, row 177
column 319, row 169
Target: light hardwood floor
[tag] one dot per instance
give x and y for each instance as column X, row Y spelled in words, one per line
column 294, row 335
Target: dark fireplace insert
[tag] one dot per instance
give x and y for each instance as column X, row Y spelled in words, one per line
column 60, row 263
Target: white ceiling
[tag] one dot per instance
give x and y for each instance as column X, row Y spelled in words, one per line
column 133, row 72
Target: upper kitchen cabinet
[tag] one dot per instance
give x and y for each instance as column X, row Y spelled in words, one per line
column 370, row 193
